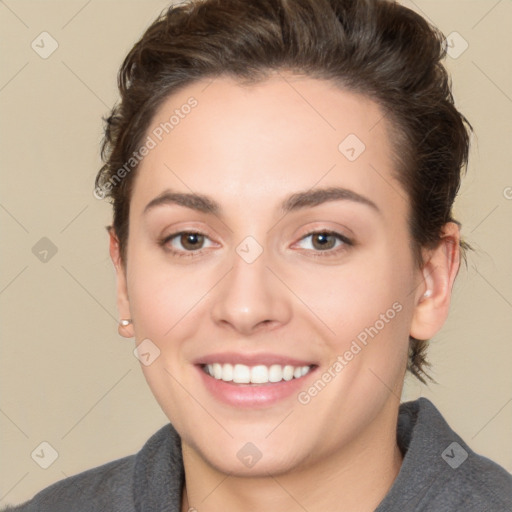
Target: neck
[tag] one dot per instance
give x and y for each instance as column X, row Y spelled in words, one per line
column 354, row 478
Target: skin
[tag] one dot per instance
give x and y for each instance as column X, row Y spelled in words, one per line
column 249, row 148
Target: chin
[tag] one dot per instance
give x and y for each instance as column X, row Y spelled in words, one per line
column 250, row 461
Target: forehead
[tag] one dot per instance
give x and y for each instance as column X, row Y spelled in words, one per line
column 263, row 141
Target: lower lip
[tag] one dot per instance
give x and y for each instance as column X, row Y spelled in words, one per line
column 253, row 395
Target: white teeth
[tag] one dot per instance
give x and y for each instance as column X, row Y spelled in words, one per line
column 241, row 374
column 275, row 373
column 288, row 372
column 217, row 371
column 259, row 374
column 227, row 372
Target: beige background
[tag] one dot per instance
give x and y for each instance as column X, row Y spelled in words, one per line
column 67, row 378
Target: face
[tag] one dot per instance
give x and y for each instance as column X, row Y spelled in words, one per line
column 293, row 265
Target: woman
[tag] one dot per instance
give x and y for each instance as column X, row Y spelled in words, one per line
column 282, row 177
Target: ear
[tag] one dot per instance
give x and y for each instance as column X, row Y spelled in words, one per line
column 123, row 304
column 433, row 296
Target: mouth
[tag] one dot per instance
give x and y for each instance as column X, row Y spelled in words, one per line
column 253, row 380
column 257, row 374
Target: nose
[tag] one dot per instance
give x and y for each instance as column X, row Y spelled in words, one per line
column 251, row 298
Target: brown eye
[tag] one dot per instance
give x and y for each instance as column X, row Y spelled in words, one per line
column 191, row 241
column 323, row 241
column 186, row 243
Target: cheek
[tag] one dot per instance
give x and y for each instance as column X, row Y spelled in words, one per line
column 166, row 303
column 352, row 297
column 369, row 308
column 163, row 297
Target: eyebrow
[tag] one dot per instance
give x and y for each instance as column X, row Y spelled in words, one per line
column 294, row 202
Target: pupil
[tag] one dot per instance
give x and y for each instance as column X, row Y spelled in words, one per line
column 323, row 239
column 191, row 240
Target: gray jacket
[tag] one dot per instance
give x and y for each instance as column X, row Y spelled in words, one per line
column 439, row 473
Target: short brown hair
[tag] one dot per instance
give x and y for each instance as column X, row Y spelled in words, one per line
column 378, row 48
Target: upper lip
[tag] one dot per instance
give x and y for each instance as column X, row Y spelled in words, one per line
column 266, row 359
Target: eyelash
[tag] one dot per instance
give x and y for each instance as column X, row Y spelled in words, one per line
column 181, row 254
column 322, row 254
column 346, row 243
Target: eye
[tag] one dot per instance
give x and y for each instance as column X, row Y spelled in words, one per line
column 185, row 242
column 326, row 241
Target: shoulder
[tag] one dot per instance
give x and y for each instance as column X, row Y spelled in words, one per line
column 478, row 483
column 440, row 472
column 109, row 485
column 472, row 482
column 115, row 486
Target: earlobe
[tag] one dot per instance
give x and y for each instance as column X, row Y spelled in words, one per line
column 433, row 295
column 123, row 303
column 126, row 331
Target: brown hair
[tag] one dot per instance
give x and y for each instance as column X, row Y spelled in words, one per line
column 374, row 47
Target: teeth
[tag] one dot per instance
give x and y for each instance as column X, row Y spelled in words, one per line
column 288, row 372
column 275, row 373
column 241, row 374
column 259, row 374
column 227, row 372
column 217, row 371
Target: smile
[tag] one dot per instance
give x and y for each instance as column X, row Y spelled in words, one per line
column 258, row 374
